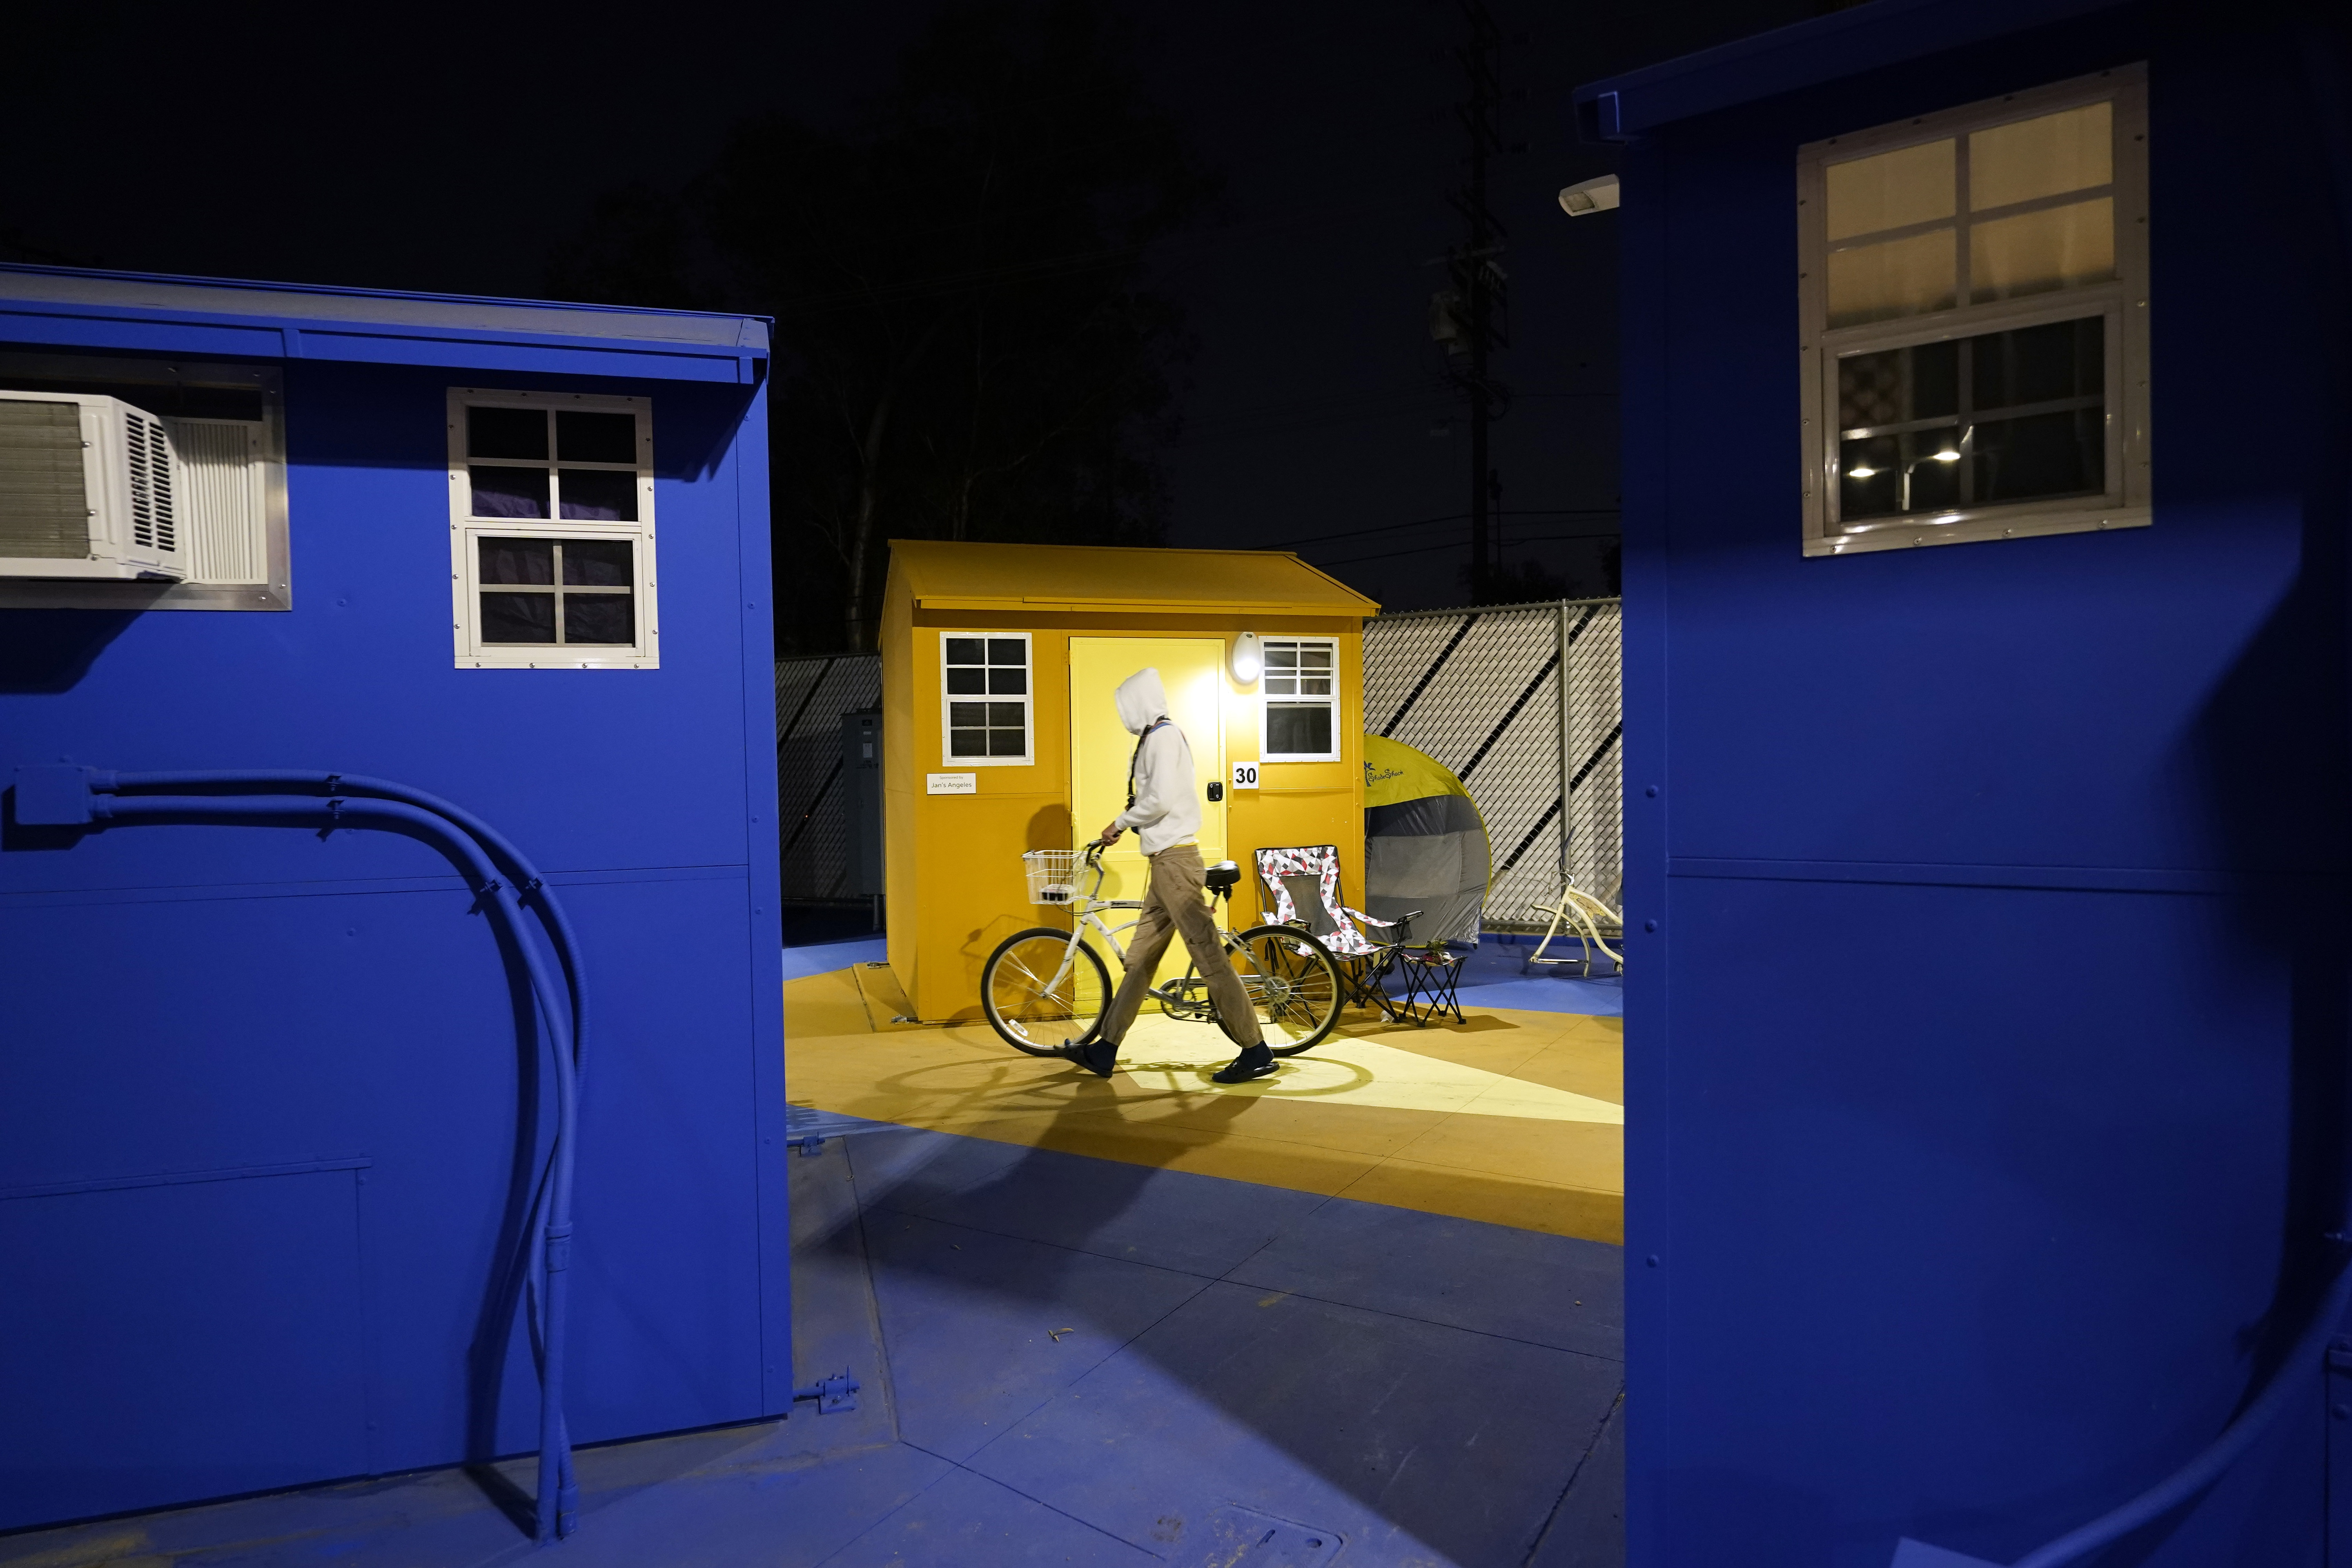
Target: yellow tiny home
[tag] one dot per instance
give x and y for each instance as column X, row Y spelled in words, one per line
column 999, row 735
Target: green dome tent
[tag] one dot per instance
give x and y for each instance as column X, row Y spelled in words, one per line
column 1424, row 844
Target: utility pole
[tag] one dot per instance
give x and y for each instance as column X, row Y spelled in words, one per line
column 1471, row 318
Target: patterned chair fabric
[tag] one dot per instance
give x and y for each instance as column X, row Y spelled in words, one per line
column 1321, row 863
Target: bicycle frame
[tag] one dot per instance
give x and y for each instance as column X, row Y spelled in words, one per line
column 1585, row 915
column 1083, row 917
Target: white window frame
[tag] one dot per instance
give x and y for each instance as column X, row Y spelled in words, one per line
column 466, row 530
column 1267, row 699
column 1028, row 757
column 2123, row 302
column 264, row 483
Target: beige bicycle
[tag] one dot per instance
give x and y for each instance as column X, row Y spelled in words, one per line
column 1045, row 985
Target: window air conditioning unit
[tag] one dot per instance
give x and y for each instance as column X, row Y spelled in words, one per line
column 86, row 490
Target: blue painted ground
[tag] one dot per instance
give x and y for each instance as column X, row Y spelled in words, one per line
column 824, row 957
column 1071, row 1361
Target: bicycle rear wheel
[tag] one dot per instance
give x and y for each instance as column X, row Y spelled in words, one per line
column 1293, row 983
column 1027, row 1007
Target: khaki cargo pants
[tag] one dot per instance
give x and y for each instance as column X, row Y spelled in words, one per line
column 1172, row 904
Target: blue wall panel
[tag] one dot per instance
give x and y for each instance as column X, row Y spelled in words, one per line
column 214, row 1331
column 1987, row 1065
column 191, row 998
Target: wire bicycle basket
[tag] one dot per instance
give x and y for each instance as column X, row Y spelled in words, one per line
column 1053, row 875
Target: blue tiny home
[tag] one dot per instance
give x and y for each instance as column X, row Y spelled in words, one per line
column 1985, row 488
column 385, row 704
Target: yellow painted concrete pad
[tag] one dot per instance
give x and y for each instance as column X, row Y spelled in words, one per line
column 1515, row 1117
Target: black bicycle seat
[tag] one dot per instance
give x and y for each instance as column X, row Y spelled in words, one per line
column 1222, row 877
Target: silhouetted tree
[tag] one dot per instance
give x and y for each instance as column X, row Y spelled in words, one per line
column 967, row 347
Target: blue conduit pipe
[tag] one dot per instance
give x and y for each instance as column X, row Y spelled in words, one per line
column 354, row 799
column 2192, row 1478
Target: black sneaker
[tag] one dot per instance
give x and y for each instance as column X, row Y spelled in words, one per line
column 1256, row 1061
column 1097, row 1054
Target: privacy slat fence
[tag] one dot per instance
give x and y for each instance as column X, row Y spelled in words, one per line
column 1521, row 702
column 812, row 694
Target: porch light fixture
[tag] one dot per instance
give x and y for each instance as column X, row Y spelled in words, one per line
column 1247, row 662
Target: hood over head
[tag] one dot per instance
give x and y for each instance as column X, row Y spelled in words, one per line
column 1141, row 700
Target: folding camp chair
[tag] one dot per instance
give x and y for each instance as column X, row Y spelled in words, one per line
column 1304, row 885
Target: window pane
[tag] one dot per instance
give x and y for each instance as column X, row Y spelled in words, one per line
column 1008, row 651
column 596, row 563
column 2038, row 364
column 1893, row 190
column 1282, row 656
column 1298, row 729
column 583, row 438
column 1314, row 686
column 967, row 682
column 1891, row 475
column 2057, row 247
column 510, row 492
column 1002, row 713
column 1962, row 452
column 517, row 617
column 1008, row 682
column 2070, row 151
column 1314, row 657
column 1895, row 278
column 965, row 650
column 967, row 743
column 1006, row 744
column 967, row 715
column 2041, row 455
column 597, row 495
column 506, row 433
column 517, row 560
column 1894, row 385
column 600, row 617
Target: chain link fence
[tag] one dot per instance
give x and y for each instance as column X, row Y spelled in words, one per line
column 812, row 797
column 1522, row 702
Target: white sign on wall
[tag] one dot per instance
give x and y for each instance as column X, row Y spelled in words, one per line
column 1245, row 775
column 951, row 784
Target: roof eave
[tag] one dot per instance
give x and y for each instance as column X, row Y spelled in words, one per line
column 1807, row 54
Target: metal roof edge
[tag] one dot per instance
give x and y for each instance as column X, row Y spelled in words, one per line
column 301, row 306
column 1358, row 602
column 1805, row 54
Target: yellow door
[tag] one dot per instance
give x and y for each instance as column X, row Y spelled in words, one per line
column 1192, row 671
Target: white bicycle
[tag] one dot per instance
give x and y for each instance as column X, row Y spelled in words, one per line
column 1580, row 918
column 1043, row 987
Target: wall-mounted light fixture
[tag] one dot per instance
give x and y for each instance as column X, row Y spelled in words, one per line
column 1247, row 662
column 1586, row 197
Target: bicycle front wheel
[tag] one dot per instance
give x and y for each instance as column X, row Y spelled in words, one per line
column 1040, row 990
column 1293, row 984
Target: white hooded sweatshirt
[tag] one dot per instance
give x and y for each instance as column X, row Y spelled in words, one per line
column 1166, row 807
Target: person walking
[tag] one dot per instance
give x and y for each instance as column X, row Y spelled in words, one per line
column 1163, row 809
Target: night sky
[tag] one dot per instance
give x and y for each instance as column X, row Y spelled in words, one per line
column 457, row 148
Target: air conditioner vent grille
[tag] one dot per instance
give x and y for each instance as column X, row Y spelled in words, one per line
column 153, row 526
column 44, row 504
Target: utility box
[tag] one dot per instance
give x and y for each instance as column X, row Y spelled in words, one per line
column 861, row 784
